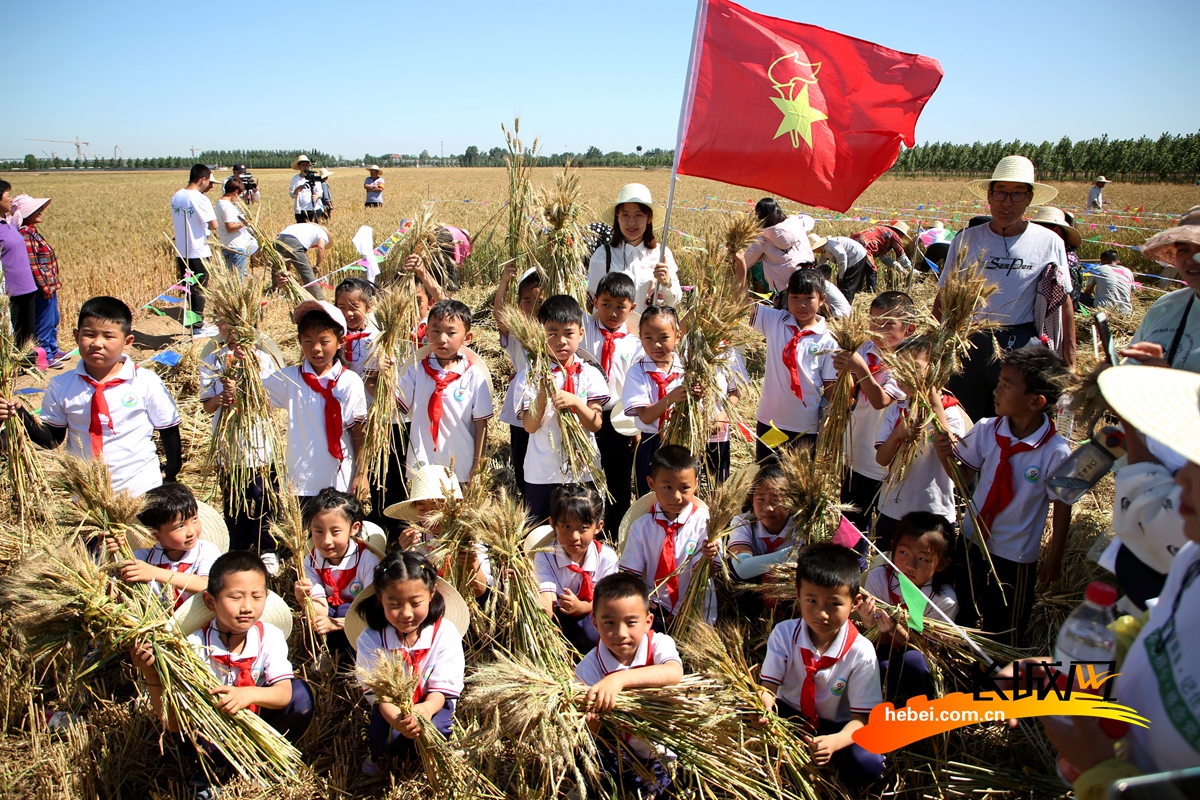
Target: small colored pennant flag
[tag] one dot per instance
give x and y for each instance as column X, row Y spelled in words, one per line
column 191, row 318
column 155, row 310
column 774, row 437
column 914, row 600
column 846, row 534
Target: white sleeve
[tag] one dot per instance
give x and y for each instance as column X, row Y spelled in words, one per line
column 947, row 601
column 354, row 408
column 367, row 563
column 54, row 411
column 673, row 293
column 951, row 258
column 276, row 666
column 159, row 405
column 743, row 532
column 596, row 270
column 448, row 662
column 775, row 663
column 608, row 563
column 664, row 649
column 544, row 571
column 887, row 423
column 588, row 672
column 970, row 448
column 406, row 388
column 876, row 584
column 208, row 554
column 633, row 559
column 863, row 688
column 204, row 210
column 1146, row 514
column 210, row 378
column 597, row 387
column 482, row 407
column 278, row 386
column 635, row 394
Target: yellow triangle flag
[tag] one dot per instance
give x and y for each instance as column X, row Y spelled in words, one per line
column 774, row 437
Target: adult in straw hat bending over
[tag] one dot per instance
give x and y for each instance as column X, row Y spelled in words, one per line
column 1096, row 194
column 1028, row 266
column 882, row 241
column 633, row 249
column 374, row 186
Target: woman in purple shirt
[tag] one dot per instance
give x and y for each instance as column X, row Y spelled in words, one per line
column 18, row 277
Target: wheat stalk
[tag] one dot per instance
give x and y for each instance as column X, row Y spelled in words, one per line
column 850, row 333
column 563, row 243
column 395, row 312
column 23, row 468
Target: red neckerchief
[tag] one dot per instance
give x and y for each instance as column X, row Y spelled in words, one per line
column 586, row 584
column 336, row 581
column 333, row 410
column 662, row 382
column 773, row 543
column 1001, row 492
column 649, row 655
column 949, row 400
column 181, row 567
column 99, row 409
column 569, row 372
column 415, row 659
column 244, row 666
column 808, row 692
column 609, row 348
column 666, row 558
column 790, row 359
column 435, row 399
column 351, row 338
column 421, row 333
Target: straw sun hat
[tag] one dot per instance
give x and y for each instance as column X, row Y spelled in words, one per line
column 1161, row 246
column 816, row 242
column 1049, row 215
column 1101, row 179
column 457, row 611
column 899, row 226
column 630, row 193
column 640, row 508
column 193, row 615
column 300, row 160
column 373, row 168
column 1014, row 169
column 1162, row 403
column 429, row 483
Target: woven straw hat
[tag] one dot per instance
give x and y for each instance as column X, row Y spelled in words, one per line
column 193, row 615
column 212, row 526
column 630, row 193
column 373, row 168
column 899, row 226
column 429, row 483
column 299, row 159
column 1049, row 215
column 1161, row 246
column 623, row 424
column 1162, row 403
column 640, row 508
column 539, row 538
column 816, row 242
column 1014, row 169
column 457, row 611
column 1102, row 179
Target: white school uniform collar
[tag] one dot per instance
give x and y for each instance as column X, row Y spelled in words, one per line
column 837, row 648
column 251, row 649
column 761, row 532
column 591, row 558
column 350, row 552
column 600, row 326
column 432, row 360
column 1004, row 429
column 389, row 636
column 190, row 557
column 649, row 366
column 335, row 370
column 818, row 327
column 127, row 372
column 685, row 516
column 609, row 663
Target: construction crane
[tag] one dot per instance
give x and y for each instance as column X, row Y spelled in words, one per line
column 78, row 144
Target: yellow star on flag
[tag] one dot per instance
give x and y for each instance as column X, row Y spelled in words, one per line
column 798, row 118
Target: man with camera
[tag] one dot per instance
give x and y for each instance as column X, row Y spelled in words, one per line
column 301, row 189
column 249, row 193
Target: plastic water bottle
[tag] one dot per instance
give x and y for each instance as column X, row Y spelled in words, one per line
column 1085, row 638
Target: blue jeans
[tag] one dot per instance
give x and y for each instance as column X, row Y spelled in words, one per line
column 235, row 258
column 45, row 310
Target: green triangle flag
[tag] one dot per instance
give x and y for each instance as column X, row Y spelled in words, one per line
column 915, row 600
column 191, row 317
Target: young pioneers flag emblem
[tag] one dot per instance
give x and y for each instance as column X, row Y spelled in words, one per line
column 794, row 109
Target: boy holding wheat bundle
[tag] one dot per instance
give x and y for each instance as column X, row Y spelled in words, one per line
column 528, row 291
column 106, row 407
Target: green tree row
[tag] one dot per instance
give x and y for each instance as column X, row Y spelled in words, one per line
column 1170, row 157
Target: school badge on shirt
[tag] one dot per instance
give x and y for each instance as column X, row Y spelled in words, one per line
column 838, row 687
column 129, row 400
column 356, row 588
column 1032, row 474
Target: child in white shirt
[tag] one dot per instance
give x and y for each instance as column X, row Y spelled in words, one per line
column 528, row 290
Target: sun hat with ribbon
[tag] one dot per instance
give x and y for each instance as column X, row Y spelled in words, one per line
column 630, row 193
column 371, row 538
column 1162, row 403
column 301, row 159
column 1161, row 246
column 640, row 508
column 429, row 483
column 899, row 226
column 262, row 341
column 816, row 242
column 1049, row 215
column 1014, row 169
column 194, row 615
column 24, row 206
column 457, row 611
column 373, row 168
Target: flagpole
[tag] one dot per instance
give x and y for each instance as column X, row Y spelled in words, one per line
column 685, row 113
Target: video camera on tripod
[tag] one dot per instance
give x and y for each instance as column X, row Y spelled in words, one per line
column 249, row 183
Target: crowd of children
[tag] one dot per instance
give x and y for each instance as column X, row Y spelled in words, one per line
column 616, row 559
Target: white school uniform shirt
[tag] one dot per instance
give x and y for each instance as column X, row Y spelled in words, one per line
column 137, row 407
column 627, row 351
column 310, row 466
column 465, row 401
column 850, row 686
column 641, row 391
column 638, row 262
column 212, row 368
column 438, row 649
column 303, row 196
column 865, row 419
column 1159, row 678
column 358, row 559
column 191, row 212
column 1017, row 530
column 654, row 649
column 510, row 411
column 750, row 532
column 197, row 561
column 265, row 644
column 543, row 459
column 644, row 546
column 356, row 354
column 883, row 583
column 926, row 487
column 779, row 403
column 553, row 571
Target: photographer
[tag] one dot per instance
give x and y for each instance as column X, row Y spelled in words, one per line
column 249, row 184
column 237, row 243
column 301, row 189
column 322, row 197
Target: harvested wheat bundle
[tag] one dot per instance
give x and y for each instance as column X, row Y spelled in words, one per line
column 698, row 720
column 23, row 467
column 448, row 772
column 421, row 240
column 722, row 654
column 288, row 528
column 812, row 492
column 280, row 268
column 850, row 333
column 516, row 622
column 520, row 239
column 576, row 447
column 741, row 231
column 96, row 509
column 984, row 779
column 713, row 319
column 246, row 446
column 456, row 544
column 60, row 595
column 724, row 504
column 396, row 315
column 563, row 243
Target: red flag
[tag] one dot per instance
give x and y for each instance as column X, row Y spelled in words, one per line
column 794, row 109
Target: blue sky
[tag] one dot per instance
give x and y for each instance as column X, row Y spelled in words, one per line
column 351, row 77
